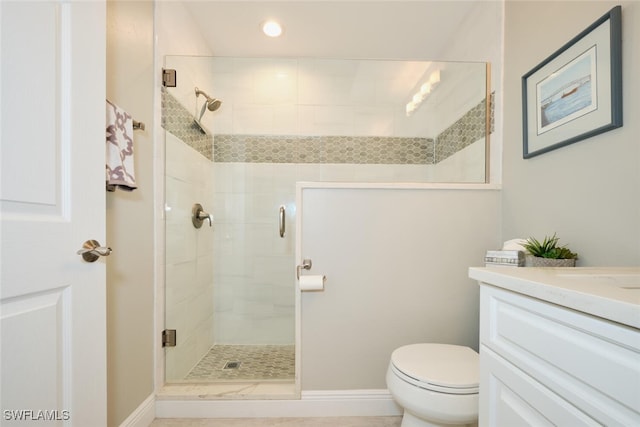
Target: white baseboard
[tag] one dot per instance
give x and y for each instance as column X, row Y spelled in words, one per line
column 144, row 414
column 324, row 403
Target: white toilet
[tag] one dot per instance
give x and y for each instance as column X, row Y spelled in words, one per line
column 436, row 384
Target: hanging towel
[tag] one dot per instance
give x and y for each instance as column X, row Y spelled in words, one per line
column 119, row 136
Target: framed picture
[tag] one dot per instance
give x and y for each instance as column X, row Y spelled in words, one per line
column 576, row 92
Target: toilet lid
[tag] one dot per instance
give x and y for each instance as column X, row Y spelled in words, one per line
column 441, row 365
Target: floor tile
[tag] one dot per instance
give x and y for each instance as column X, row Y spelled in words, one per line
column 245, row 362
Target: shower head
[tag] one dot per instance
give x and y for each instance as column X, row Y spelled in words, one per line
column 212, row 103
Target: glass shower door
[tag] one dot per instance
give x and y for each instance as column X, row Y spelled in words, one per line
column 229, row 291
column 254, row 313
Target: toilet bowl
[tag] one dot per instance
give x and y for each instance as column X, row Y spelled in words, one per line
column 436, row 384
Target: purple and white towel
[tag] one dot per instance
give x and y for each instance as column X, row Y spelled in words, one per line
column 119, row 136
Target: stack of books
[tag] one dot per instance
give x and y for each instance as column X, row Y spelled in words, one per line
column 505, row 258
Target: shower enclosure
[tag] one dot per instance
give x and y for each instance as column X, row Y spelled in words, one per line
column 230, row 284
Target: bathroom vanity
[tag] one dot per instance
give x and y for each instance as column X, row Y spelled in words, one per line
column 559, row 346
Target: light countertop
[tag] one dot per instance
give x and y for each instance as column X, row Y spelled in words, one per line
column 612, row 293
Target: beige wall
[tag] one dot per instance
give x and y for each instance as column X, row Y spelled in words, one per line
column 587, row 192
column 130, row 232
column 396, row 263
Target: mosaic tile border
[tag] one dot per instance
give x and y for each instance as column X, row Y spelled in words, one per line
column 468, row 129
column 354, row 149
column 227, row 148
column 322, row 149
column 177, row 120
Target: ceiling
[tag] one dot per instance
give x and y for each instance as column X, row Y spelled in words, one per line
column 332, row 29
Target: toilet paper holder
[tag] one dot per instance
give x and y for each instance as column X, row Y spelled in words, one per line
column 306, row 264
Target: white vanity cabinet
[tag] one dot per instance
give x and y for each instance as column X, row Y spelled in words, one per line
column 546, row 360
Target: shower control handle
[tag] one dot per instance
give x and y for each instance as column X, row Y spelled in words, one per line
column 281, row 221
column 205, row 216
column 198, row 216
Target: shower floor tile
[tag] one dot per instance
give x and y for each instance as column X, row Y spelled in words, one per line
column 245, row 362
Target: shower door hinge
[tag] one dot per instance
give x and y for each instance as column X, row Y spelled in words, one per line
column 168, row 77
column 169, row 338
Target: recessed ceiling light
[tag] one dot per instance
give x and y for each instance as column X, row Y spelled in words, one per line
column 272, row 28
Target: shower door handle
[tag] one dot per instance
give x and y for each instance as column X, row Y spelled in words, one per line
column 281, row 221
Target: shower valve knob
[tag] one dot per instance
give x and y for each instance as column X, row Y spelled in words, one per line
column 198, row 216
column 205, row 216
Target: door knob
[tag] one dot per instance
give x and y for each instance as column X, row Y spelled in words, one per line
column 91, row 251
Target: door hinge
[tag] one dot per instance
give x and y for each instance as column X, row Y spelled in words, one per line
column 168, row 77
column 169, row 338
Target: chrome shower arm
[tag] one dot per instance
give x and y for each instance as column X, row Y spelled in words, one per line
column 201, row 92
column 212, row 103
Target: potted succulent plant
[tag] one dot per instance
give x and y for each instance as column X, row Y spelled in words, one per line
column 548, row 254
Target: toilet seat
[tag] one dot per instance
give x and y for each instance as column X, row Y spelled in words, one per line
column 442, row 368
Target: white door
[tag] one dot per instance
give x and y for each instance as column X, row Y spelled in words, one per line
column 52, row 139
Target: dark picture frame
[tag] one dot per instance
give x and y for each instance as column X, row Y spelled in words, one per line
column 576, row 92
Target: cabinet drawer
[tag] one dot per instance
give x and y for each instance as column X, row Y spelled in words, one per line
column 518, row 400
column 590, row 362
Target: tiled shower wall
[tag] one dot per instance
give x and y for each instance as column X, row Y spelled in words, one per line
column 377, row 150
column 180, row 122
column 189, row 257
column 374, row 150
